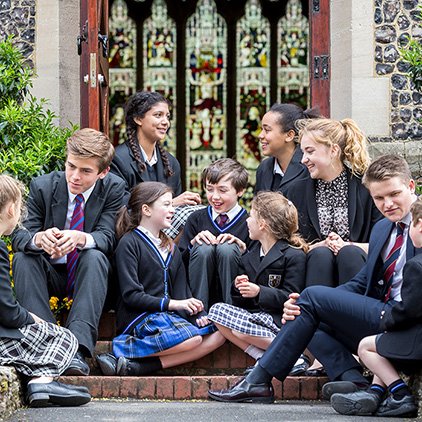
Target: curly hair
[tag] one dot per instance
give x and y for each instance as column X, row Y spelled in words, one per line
column 280, row 216
column 344, row 133
column 137, row 106
column 129, row 217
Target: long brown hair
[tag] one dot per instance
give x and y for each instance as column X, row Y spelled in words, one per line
column 281, row 217
column 129, row 217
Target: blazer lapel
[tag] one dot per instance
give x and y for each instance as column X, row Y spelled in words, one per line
column 352, row 202
column 311, row 205
column 272, row 255
column 93, row 206
column 59, row 203
column 294, row 168
column 268, row 175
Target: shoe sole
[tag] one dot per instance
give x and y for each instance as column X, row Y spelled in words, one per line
column 345, row 406
column 405, row 411
column 257, row 400
column 76, row 372
column 329, row 390
column 47, row 400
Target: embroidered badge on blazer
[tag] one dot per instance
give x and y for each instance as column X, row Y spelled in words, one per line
column 274, row 280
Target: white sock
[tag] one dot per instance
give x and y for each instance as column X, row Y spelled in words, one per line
column 254, row 352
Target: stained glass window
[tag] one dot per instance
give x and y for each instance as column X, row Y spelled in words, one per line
column 206, row 51
column 253, row 85
column 293, row 73
column 122, row 61
column 159, row 71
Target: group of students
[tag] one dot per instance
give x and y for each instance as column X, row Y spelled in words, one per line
column 114, row 215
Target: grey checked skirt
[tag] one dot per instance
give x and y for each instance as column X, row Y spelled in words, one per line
column 44, row 350
column 258, row 324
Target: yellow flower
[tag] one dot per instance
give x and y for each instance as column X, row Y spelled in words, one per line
column 68, row 303
column 54, row 303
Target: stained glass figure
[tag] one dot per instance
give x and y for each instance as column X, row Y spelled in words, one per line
column 122, row 61
column 206, row 42
column 293, row 39
column 253, row 85
column 159, row 71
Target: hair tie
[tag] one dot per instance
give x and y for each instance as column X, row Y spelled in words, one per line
column 290, row 203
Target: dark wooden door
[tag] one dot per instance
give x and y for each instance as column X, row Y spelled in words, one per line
column 93, row 49
column 319, row 60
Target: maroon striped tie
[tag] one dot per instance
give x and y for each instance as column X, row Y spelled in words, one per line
column 76, row 223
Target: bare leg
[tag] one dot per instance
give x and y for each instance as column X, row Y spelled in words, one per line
column 229, row 334
column 260, row 342
column 209, row 344
column 316, row 364
column 385, row 372
column 187, row 345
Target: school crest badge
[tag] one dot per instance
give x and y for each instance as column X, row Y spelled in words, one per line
column 274, row 280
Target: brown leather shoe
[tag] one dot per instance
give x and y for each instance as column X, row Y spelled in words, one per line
column 244, row 393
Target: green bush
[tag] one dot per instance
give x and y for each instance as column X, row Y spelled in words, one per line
column 30, row 142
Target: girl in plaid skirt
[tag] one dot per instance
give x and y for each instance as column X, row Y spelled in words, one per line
column 268, row 273
column 161, row 324
column 39, row 350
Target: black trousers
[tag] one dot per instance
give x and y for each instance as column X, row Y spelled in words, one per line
column 326, row 269
column 332, row 323
column 36, row 279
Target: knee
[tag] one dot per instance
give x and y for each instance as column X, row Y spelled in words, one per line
column 227, row 250
column 93, row 258
column 195, row 341
column 321, row 254
column 365, row 345
column 350, row 253
column 20, row 258
column 313, row 294
column 203, row 251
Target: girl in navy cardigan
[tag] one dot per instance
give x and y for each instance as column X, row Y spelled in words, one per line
column 159, row 320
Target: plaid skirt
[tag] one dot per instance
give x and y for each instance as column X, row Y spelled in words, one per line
column 157, row 332
column 44, row 350
column 180, row 216
column 259, row 324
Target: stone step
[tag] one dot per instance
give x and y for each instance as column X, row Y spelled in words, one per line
column 189, row 387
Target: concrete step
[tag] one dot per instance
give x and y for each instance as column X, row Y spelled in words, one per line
column 189, row 387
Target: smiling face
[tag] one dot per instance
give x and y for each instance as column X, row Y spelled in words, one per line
column 154, row 125
column 274, row 141
column 222, row 196
column 82, row 173
column 254, row 226
column 159, row 213
column 393, row 197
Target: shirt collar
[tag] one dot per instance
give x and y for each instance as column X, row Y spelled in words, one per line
column 277, row 168
column 154, row 157
column 85, row 194
column 231, row 214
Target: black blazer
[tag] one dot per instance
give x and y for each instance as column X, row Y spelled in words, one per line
column 125, row 166
column 295, row 171
column 12, row 315
column 281, row 272
column 362, row 212
column 47, row 207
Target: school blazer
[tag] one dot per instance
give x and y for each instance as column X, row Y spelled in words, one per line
column 281, row 272
column 295, row 171
column 125, row 166
column 362, row 212
column 47, row 207
column 12, row 315
column 368, row 281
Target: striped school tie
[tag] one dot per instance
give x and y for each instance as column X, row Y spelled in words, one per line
column 391, row 260
column 76, row 223
column 222, row 220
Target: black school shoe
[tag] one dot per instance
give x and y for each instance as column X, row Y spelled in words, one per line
column 362, row 403
column 300, row 367
column 78, row 366
column 107, row 363
column 405, row 407
column 55, row 394
column 342, row 387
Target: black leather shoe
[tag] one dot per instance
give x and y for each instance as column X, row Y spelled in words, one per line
column 55, row 394
column 107, row 363
column 362, row 403
column 342, row 387
column 406, row 407
column 78, row 366
column 317, row 372
column 300, row 367
column 244, row 392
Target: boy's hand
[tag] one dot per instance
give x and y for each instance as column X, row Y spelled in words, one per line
column 203, row 321
column 187, row 198
column 204, row 236
column 47, row 240
column 68, row 241
column 290, row 310
column 240, row 279
column 229, row 238
column 191, row 305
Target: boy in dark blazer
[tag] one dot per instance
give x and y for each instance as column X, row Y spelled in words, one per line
column 397, row 348
column 332, row 321
column 215, row 237
column 63, row 247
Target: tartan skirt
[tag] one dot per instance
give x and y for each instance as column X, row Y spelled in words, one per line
column 259, row 324
column 157, row 332
column 181, row 214
column 44, row 350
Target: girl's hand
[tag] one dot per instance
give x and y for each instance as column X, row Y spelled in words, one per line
column 229, row 238
column 191, row 305
column 290, row 310
column 240, row 279
column 203, row 321
column 187, row 198
column 204, row 236
column 248, row 289
column 335, row 242
column 37, row 319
